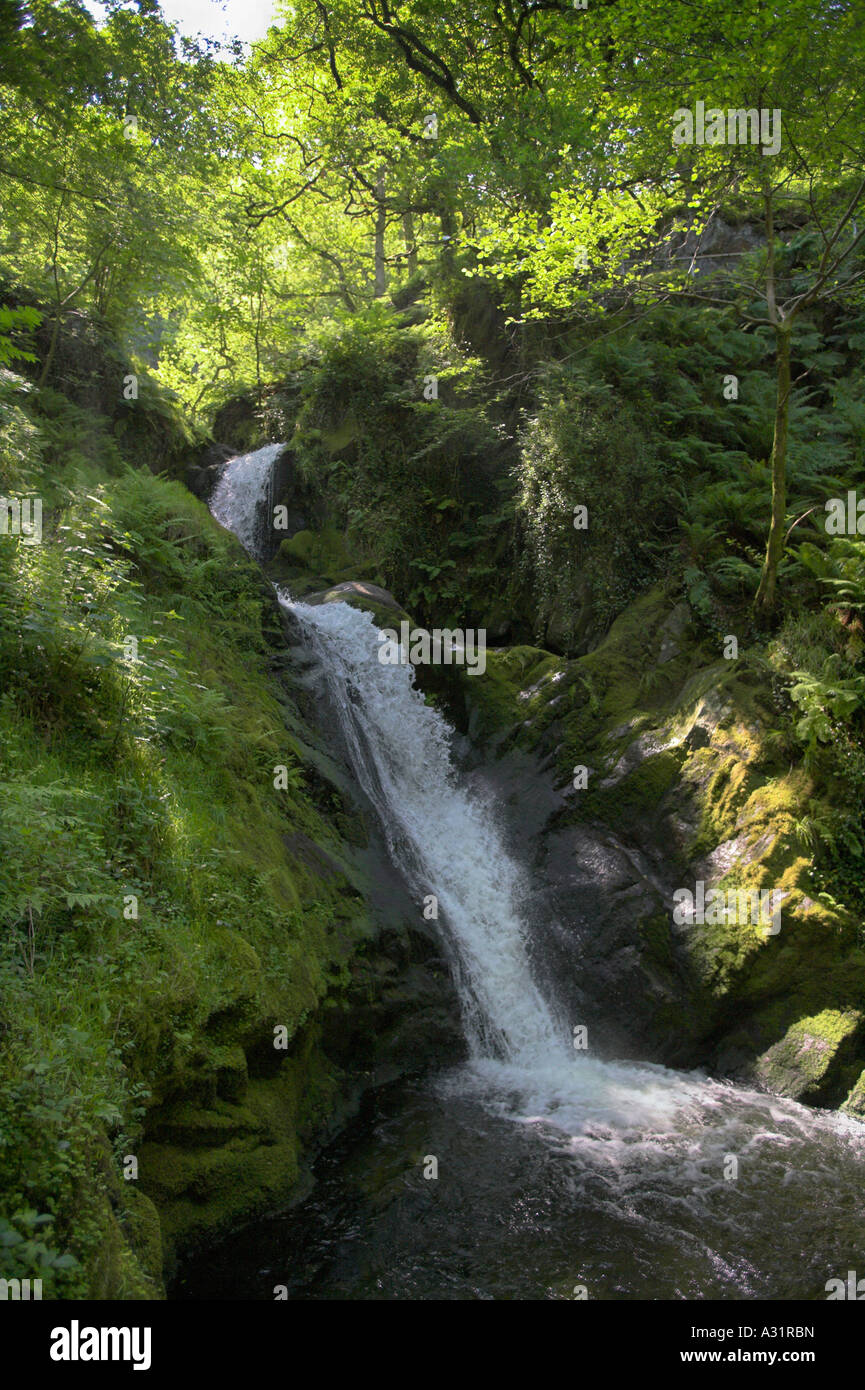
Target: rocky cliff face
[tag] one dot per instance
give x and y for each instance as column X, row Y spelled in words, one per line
column 685, row 783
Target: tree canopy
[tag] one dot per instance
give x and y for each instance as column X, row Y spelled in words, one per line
column 213, row 206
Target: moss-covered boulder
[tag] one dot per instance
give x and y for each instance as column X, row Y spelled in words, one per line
column 369, row 598
column 321, row 552
column 808, row 1062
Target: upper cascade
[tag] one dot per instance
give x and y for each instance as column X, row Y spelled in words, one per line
column 242, row 498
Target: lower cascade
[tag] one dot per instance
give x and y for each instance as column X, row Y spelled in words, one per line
column 623, row 1158
column 444, row 841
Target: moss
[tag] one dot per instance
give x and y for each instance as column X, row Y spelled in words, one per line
column 201, row 1197
column 210, row 1169
column 854, row 1103
column 658, row 938
column 230, row 1072
column 636, row 796
column 143, row 1230
column 195, row 1127
column 345, row 433
column 324, row 552
column 600, row 700
column 119, row 1229
column 511, row 692
column 808, row 1058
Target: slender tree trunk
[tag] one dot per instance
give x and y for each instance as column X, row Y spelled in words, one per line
column 380, row 223
column 765, row 599
column 258, row 318
column 58, row 303
column 52, row 348
column 448, row 226
column 410, row 243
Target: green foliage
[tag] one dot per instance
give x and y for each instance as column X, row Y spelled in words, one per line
column 26, row 1256
column 820, row 659
column 20, row 442
column 826, row 700
column 841, row 569
column 410, row 481
column 14, row 323
column 133, row 778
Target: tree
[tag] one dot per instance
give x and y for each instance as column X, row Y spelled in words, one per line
column 797, row 160
column 103, row 162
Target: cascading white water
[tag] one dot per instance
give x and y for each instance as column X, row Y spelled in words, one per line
column 241, row 498
column 447, row 843
column 444, row 841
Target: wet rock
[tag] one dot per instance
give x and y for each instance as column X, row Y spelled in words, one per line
column 357, row 591
column 203, row 475
column 370, row 598
column 806, row 1063
column 687, row 785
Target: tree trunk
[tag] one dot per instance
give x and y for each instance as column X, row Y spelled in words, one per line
column 765, row 599
column 52, row 348
column 410, row 243
column 258, row 317
column 449, row 228
column 380, row 222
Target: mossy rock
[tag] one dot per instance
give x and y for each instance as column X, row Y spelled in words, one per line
column 195, row 1127
column 368, row 597
column 231, row 1072
column 203, row 1195
column 323, row 553
column 210, row 1169
column 140, row 1222
column 807, row 1061
column 120, row 1228
column 855, row 1102
column 510, row 693
column 687, row 766
column 639, row 794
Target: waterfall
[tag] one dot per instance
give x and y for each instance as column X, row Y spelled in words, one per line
column 444, row 840
column 447, row 843
column 243, row 496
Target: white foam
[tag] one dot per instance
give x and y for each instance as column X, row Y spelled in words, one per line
column 241, row 498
